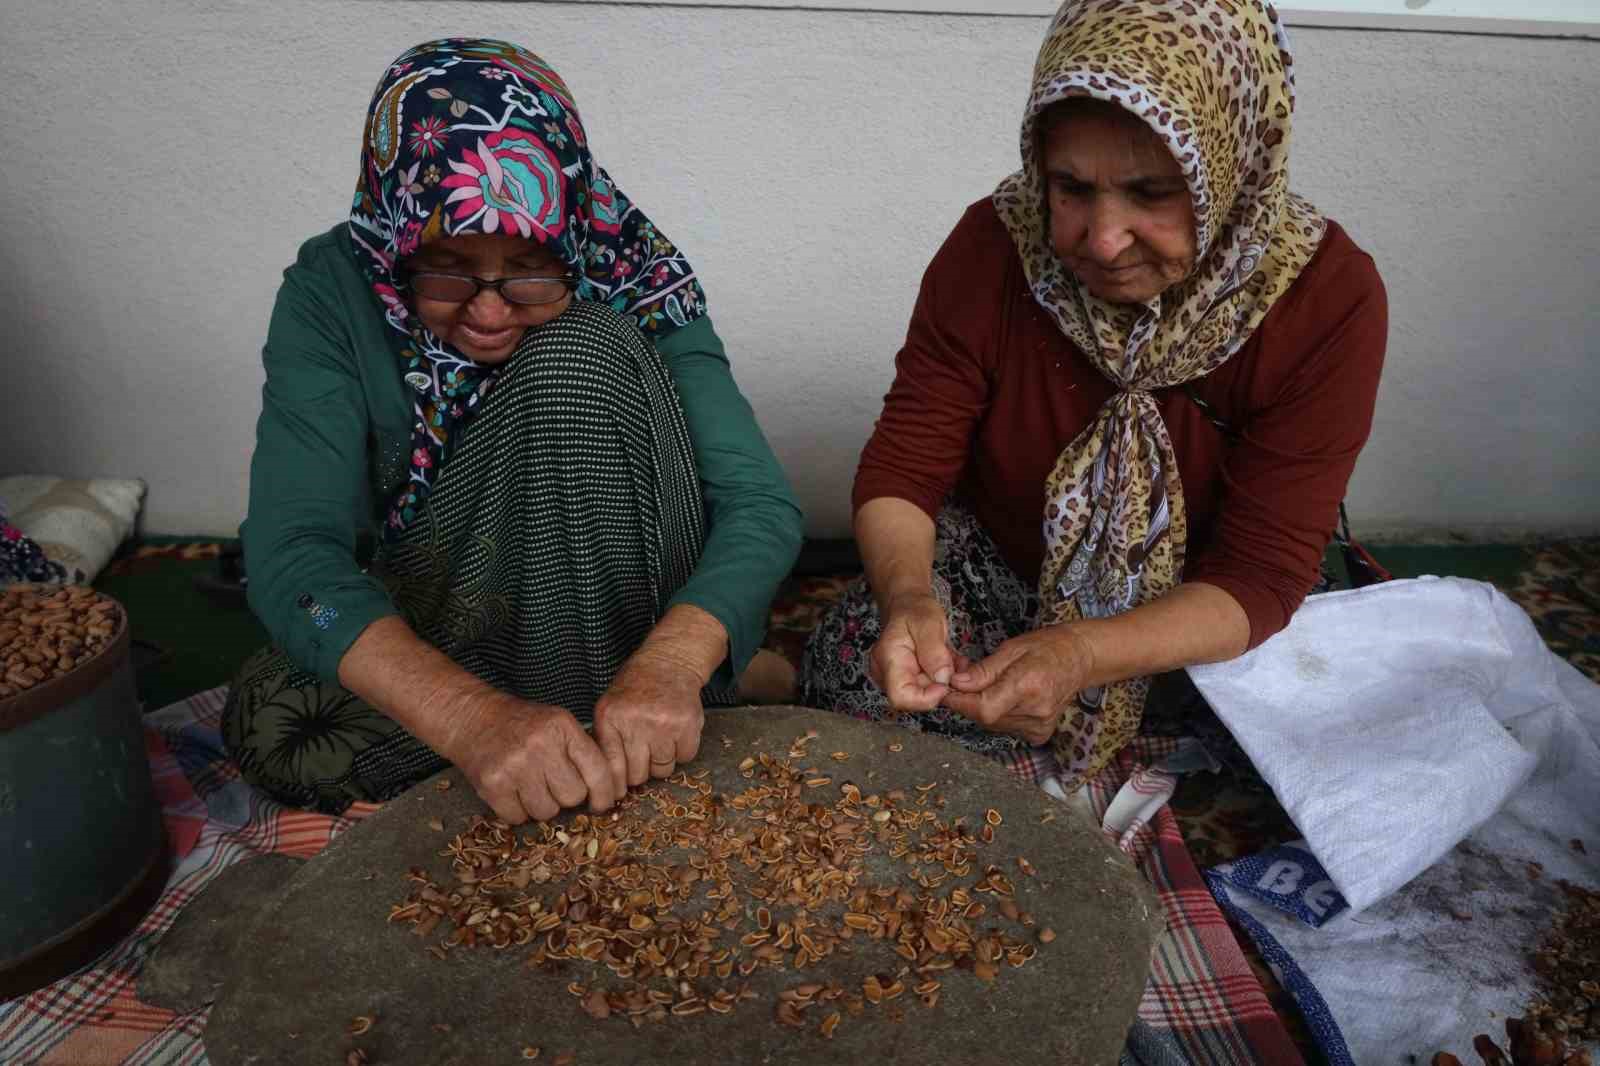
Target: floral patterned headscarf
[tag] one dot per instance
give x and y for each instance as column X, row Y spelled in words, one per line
column 1213, row 80
column 470, row 136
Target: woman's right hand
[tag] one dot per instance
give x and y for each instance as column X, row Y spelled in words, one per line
column 912, row 662
column 530, row 760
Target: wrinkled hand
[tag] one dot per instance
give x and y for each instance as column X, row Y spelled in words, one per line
column 650, row 719
column 530, row 760
column 1025, row 685
column 912, row 661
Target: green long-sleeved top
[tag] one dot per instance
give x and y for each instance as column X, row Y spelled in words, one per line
column 331, row 450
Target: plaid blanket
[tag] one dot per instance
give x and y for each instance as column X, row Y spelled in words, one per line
column 1201, row 993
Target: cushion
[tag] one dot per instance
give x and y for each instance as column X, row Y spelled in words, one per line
column 78, row 524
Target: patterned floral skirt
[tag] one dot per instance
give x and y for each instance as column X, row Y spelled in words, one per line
column 987, row 604
column 566, row 519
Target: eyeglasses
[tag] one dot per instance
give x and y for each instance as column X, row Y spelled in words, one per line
column 459, row 288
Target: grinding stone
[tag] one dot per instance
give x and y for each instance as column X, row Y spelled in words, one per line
column 322, row 951
column 191, row 959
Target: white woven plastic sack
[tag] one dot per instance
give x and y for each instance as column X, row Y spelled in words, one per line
column 1385, row 719
column 1444, row 957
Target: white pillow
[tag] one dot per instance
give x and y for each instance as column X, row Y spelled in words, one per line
column 78, row 524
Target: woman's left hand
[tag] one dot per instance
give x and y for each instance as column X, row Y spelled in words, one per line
column 1025, row 685
column 650, row 719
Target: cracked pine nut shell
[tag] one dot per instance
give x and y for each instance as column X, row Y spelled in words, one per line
column 668, row 902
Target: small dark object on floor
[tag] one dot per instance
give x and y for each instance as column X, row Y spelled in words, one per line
column 826, row 558
column 146, row 655
column 230, row 583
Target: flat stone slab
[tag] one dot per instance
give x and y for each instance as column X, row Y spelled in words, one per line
column 322, row 952
column 191, row 960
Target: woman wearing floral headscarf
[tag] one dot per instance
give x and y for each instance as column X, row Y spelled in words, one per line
column 500, row 366
column 1146, row 335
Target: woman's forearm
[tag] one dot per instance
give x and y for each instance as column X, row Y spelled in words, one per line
column 686, row 636
column 896, row 540
column 754, row 526
column 414, row 683
column 1194, row 623
column 423, row 690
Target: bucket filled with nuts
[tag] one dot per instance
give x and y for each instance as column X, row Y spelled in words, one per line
column 79, row 822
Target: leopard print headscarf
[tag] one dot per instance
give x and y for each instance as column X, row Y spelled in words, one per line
column 1212, row 79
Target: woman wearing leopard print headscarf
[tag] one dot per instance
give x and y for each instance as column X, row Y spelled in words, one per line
column 1146, row 335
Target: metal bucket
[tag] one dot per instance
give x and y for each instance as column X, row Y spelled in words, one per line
column 80, row 829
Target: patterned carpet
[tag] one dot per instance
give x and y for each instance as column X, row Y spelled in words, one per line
column 799, row 605
column 1561, row 590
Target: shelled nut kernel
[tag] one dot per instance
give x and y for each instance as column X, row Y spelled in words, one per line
column 47, row 631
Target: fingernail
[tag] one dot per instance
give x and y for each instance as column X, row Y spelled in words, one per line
column 942, row 676
column 962, row 677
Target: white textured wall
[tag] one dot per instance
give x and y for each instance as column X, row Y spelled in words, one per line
column 162, row 159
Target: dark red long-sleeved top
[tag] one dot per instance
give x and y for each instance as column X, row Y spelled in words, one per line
column 988, row 391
